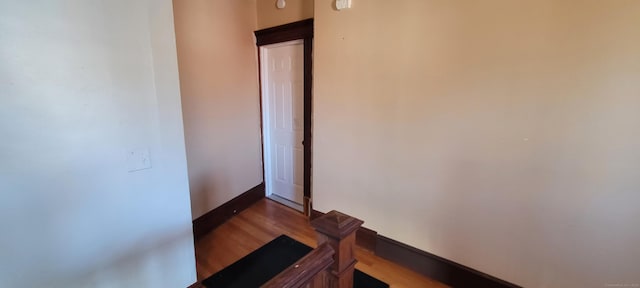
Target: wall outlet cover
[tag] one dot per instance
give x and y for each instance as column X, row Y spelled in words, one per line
column 138, row 159
column 343, row 4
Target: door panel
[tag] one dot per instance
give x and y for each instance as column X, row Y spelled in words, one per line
column 285, row 98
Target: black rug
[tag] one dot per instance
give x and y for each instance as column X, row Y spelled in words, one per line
column 263, row 264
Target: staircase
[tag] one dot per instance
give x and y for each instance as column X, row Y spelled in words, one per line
column 330, row 265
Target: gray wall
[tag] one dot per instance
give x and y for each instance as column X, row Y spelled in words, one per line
column 82, row 83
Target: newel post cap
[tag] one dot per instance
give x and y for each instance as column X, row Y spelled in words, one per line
column 336, row 225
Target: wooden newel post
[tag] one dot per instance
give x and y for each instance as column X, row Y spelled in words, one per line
column 339, row 230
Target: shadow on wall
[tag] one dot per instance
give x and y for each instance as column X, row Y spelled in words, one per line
column 156, row 257
column 207, row 192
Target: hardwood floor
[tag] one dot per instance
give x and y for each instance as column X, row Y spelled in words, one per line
column 266, row 220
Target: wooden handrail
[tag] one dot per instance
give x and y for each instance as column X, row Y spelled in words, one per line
column 306, row 271
column 331, row 265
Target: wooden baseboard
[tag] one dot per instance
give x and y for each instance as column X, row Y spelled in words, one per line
column 435, row 267
column 197, row 285
column 432, row 266
column 365, row 237
column 315, row 214
column 214, row 218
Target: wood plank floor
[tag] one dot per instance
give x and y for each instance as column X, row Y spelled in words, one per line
column 267, row 220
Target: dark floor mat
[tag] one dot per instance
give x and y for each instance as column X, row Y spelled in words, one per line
column 263, row 264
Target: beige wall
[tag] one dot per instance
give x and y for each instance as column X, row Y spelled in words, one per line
column 220, row 98
column 499, row 134
column 295, row 10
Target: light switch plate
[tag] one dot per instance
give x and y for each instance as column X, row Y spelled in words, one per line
column 138, row 159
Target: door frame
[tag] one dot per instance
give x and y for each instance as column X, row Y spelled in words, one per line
column 300, row 30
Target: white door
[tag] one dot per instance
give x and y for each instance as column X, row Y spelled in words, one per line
column 283, row 120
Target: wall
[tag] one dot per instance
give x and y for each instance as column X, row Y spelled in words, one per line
column 499, row 134
column 81, row 84
column 295, row 10
column 217, row 58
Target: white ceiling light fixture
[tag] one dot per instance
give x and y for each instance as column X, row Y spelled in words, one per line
column 280, row 4
column 343, row 4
